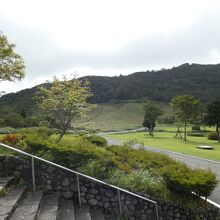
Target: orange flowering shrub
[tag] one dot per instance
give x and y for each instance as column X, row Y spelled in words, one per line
column 11, row 138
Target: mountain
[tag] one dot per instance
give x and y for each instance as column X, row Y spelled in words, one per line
column 201, row 81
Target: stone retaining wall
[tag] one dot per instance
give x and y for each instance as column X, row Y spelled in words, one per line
column 52, row 179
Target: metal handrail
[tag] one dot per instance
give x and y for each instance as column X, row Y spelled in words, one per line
column 77, row 175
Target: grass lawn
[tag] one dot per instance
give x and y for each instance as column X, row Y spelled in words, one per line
column 173, row 128
column 166, row 140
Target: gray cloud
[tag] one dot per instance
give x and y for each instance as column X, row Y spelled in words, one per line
column 44, row 57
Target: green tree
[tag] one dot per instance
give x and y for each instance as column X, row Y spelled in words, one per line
column 212, row 116
column 11, row 63
column 63, row 101
column 151, row 113
column 186, row 108
column 23, row 113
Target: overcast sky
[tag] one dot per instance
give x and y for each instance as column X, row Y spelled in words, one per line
column 108, row 37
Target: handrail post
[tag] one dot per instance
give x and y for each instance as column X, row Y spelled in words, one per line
column 33, row 173
column 78, row 187
column 157, row 214
column 119, row 203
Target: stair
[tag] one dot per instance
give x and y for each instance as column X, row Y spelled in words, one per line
column 97, row 215
column 9, row 202
column 112, row 217
column 66, row 210
column 49, row 208
column 4, row 182
column 28, row 207
column 18, row 203
column 83, row 213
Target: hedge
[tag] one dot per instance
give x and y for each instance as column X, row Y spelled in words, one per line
column 181, row 179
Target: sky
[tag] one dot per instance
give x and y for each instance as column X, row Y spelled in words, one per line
column 108, row 37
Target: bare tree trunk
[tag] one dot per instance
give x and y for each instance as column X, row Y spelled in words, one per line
column 63, row 132
column 60, row 137
column 152, row 130
column 149, row 131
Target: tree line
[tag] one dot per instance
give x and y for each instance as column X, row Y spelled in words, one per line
column 186, row 109
column 200, row 81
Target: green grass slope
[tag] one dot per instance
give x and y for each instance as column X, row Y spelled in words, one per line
column 117, row 116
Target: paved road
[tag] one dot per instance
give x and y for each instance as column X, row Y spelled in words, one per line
column 193, row 162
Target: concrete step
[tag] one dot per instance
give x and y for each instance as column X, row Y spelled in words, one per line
column 66, row 210
column 111, row 217
column 97, row 215
column 9, row 202
column 4, row 182
column 83, row 213
column 29, row 206
column 49, row 208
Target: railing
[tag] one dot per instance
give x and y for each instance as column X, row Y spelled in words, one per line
column 119, row 190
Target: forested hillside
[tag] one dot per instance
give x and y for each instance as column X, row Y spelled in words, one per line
column 202, row 81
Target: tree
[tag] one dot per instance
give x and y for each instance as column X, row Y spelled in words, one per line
column 186, row 108
column 151, row 113
column 23, row 113
column 11, row 63
column 212, row 117
column 63, row 101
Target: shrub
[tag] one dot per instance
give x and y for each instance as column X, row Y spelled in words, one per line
column 182, row 179
column 195, row 134
column 24, row 132
column 36, row 144
column 212, row 136
column 7, row 130
column 12, row 139
column 206, row 182
column 99, row 141
column 135, row 169
column 141, row 181
column 78, row 151
column 97, row 169
column 196, row 128
column 140, row 158
column 45, row 132
column 166, row 120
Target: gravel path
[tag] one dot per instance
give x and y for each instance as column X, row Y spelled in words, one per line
column 191, row 161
